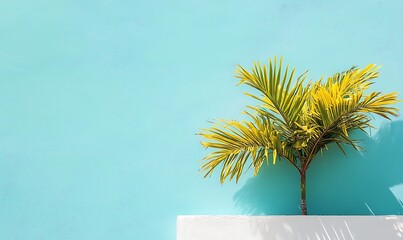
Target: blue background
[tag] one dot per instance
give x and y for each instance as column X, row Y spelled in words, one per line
column 100, row 102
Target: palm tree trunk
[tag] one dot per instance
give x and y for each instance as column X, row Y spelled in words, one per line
column 303, row 194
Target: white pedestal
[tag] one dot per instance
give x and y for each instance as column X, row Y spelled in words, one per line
column 289, row 228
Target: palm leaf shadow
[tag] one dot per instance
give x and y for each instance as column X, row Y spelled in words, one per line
column 361, row 184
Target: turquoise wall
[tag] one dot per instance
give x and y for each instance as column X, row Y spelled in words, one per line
column 100, row 102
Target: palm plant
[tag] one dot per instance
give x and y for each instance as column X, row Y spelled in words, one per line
column 295, row 120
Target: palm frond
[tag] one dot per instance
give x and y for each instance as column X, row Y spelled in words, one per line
column 236, row 142
column 282, row 101
column 341, row 106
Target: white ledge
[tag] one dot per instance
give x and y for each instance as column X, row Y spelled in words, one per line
column 289, row 228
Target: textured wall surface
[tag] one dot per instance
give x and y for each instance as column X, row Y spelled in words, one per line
column 100, row 102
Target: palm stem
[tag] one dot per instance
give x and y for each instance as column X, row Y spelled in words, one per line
column 303, row 194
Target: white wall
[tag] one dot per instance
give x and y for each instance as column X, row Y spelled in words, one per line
column 289, row 227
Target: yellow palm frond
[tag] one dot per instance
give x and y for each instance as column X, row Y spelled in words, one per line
column 282, row 101
column 341, row 105
column 235, row 142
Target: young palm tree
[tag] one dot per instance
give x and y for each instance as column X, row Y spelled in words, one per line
column 294, row 120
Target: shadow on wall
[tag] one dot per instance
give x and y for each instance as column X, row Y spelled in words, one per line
column 364, row 183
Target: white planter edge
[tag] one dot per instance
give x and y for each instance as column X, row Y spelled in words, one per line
column 239, row 227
